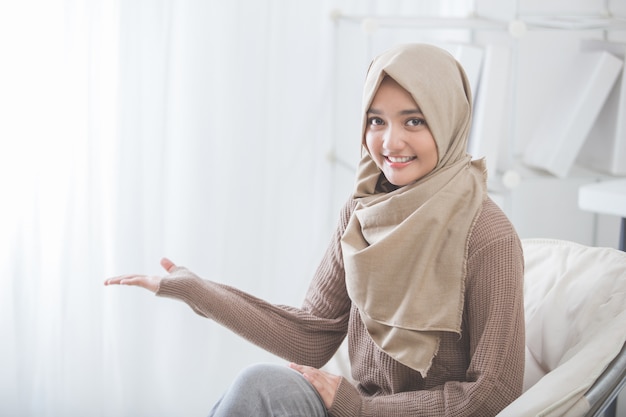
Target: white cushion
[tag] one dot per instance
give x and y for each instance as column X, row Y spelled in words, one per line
column 575, row 304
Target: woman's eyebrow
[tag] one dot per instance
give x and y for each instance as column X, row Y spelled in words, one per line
column 402, row 113
column 411, row 111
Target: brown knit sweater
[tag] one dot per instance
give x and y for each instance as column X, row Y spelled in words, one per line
column 477, row 374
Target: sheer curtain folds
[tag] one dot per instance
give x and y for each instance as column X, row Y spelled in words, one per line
column 135, row 130
column 132, row 130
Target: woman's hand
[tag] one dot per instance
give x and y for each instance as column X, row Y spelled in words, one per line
column 145, row 281
column 326, row 384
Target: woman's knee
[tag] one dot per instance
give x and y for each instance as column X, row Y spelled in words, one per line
column 256, row 377
column 275, row 390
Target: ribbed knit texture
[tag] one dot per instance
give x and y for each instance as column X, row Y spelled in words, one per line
column 477, row 374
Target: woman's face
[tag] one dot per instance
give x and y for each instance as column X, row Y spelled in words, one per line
column 397, row 137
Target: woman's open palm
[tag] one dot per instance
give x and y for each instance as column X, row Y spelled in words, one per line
column 149, row 282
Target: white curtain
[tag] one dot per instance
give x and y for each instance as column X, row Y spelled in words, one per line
column 132, row 130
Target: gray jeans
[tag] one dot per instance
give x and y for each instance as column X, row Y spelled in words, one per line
column 267, row 390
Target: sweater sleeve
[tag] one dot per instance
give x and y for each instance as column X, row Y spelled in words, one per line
column 308, row 335
column 495, row 324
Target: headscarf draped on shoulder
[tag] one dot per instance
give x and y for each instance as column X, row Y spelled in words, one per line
column 405, row 249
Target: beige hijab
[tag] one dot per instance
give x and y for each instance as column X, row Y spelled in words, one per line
column 405, row 249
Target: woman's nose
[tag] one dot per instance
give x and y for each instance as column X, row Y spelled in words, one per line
column 392, row 138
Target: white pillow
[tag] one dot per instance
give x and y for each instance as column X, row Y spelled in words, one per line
column 575, row 305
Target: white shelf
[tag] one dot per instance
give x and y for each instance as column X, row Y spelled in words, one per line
column 373, row 22
column 574, row 22
column 605, row 197
column 426, row 23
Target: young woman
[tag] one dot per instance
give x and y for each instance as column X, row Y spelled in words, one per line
column 423, row 274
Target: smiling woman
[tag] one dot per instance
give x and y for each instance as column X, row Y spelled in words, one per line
column 423, row 275
column 397, row 135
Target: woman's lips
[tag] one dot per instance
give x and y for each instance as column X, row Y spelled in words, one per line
column 398, row 161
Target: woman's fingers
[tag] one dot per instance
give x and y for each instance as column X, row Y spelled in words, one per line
column 167, row 264
column 145, row 281
column 121, row 280
column 148, row 282
column 325, row 383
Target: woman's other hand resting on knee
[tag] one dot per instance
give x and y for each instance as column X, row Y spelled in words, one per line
column 325, row 383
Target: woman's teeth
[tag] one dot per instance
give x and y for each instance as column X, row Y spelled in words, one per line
column 400, row 159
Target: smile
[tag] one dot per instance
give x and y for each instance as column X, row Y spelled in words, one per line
column 400, row 159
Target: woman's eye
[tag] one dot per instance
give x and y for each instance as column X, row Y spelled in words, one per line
column 375, row 121
column 416, row 122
